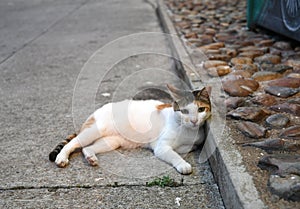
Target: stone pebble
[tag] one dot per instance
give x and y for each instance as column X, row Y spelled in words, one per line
column 270, row 145
column 285, row 187
column 234, row 102
column 214, row 63
column 246, row 67
column 281, row 164
column 218, row 71
column 283, row 92
column 264, row 100
column 217, row 45
column 292, row 132
column 285, row 82
column 253, row 114
column 280, row 68
column 251, row 129
column 277, row 121
column 241, row 61
column 217, row 29
column 294, row 63
column 242, row 73
column 268, row 59
column 282, row 45
column 222, row 57
column 287, row 107
column 240, row 86
column 265, row 76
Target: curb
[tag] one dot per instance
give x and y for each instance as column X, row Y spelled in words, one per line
column 235, row 183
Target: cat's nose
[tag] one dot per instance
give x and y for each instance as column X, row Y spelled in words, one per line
column 194, row 121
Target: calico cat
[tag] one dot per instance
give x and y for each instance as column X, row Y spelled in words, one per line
column 167, row 129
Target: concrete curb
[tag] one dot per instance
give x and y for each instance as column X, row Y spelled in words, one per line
column 235, row 183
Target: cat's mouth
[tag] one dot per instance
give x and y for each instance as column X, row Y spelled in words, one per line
column 194, row 126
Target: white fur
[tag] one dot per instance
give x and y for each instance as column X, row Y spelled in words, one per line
column 131, row 124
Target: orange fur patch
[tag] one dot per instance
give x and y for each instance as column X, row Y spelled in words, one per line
column 71, row 136
column 163, row 106
column 202, row 104
column 88, row 123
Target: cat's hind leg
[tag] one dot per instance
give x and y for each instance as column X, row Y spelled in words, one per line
column 102, row 145
column 84, row 138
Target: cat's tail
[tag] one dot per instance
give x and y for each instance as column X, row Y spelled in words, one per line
column 58, row 148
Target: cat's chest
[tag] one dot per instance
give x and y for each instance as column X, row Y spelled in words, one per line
column 188, row 140
column 182, row 137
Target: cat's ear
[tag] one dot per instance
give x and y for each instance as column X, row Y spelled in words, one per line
column 202, row 95
column 176, row 94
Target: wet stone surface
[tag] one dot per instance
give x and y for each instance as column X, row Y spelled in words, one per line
column 264, row 100
column 281, row 164
column 251, row 130
column 265, row 75
column 240, row 87
column 277, row 121
column 292, row 132
column 282, row 91
column 286, row 187
column 262, row 78
column 248, row 113
column 286, row 82
column 287, row 107
column 234, row 102
column 270, row 145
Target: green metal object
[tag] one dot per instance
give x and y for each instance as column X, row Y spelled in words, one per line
column 254, row 8
column 281, row 16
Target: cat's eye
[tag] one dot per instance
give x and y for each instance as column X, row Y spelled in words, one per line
column 201, row 109
column 184, row 111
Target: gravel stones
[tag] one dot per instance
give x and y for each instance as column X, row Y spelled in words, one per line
column 241, row 61
column 282, row 45
column 283, row 92
column 217, row 45
column 265, row 75
column 287, row 188
column 280, row 68
column 261, row 76
column 286, row 82
column 240, row 87
column 292, row 132
column 214, row 63
column 268, row 59
column 248, row 113
column 281, row 164
column 264, row 100
column 246, row 67
column 270, row 145
column 234, row 102
column 277, row 121
column 219, row 71
column 251, row 130
column 287, row 107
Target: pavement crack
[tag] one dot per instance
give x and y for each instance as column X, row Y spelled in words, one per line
column 44, row 31
column 87, row 186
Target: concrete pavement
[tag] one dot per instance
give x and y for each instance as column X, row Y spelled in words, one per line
column 43, row 48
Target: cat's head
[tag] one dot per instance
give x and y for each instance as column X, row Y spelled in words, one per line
column 191, row 107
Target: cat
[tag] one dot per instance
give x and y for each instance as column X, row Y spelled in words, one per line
column 167, row 129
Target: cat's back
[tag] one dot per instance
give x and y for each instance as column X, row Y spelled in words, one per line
column 134, row 107
column 135, row 120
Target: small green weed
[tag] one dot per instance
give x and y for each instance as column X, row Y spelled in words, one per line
column 165, row 181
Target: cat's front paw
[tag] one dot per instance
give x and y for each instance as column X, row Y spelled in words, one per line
column 61, row 160
column 90, row 157
column 184, row 168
